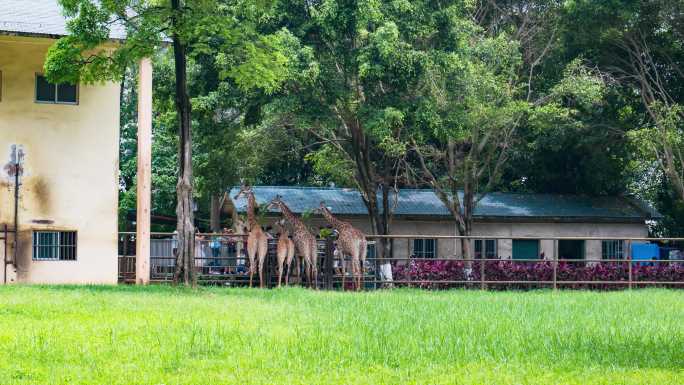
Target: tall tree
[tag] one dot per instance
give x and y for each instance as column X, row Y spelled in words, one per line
column 353, row 105
column 87, row 55
column 639, row 44
column 476, row 100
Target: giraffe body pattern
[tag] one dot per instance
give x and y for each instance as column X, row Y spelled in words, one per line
column 257, row 240
column 304, row 241
column 285, row 253
column 350, row 241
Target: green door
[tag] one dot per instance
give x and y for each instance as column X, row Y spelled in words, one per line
column 525, row 249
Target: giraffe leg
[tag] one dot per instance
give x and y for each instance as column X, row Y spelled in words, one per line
column 263, row 250
column 280, row 270
column 288, row 264
column 307, row 272
column 251, row 251
column 343, row 269
column 315, row 276
column 363, row 249
column 357, row 273
column 252, row 269
column 314, row 266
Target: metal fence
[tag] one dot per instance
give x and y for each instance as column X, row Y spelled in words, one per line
column 221, row 260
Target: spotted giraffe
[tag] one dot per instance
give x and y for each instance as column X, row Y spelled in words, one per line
column 257, row 240
column 350, row 241
column 304, row 241
column 285, row 251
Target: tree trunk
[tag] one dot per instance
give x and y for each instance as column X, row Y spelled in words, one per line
column 185, row 258
column 385, row 265
column 670, row 167
column 380, row 225
column 465, row 242
column 215, row 214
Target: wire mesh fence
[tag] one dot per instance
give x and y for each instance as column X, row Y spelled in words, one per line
column 221, row 259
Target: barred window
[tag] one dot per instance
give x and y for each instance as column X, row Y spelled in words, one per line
column 424, row 248
column 54, row 245
column 612, row 249
column 486, row 247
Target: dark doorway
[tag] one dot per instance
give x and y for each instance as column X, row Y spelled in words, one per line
column 571, row 249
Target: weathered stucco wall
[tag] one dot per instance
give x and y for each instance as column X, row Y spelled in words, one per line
column 452, row 247
column 541, row 230
column 71, row 167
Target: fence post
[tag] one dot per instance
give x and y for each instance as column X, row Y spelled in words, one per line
column 629, row 264
column 555, row 264
column 482, row 273
column 328, row 264
column 409, row 262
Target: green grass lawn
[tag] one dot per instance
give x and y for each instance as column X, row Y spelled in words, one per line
column 162, row 335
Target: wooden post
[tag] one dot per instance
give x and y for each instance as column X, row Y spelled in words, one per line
column 629, row 264
column 483, row 257
column 555, row 264
column 408, row 262
column 144, row 178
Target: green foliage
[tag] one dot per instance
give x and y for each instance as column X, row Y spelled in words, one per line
column 325, row 233
column 666, row 130
column 280, row 88
column 328, row 162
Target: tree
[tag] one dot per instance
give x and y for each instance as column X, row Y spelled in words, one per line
column 247, row 56
column 475, row 102
column 590, row 155
column 639, row 44
column 352, row 87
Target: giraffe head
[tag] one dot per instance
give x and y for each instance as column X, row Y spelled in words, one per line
column 275, row 203
column 279, row 225
column 245, row 190
column 322, row 209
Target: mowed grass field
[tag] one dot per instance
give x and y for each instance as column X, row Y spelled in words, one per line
column 163, row 335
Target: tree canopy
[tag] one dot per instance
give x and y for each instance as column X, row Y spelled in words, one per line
column 466, row 97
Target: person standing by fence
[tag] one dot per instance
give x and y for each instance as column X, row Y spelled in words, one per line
column 215, row 246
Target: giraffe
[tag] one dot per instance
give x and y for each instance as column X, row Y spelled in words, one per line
column 304, row 241
column 257, row 241
column 350, row 241
column 286, row 250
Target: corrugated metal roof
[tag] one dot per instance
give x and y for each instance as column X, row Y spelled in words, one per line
column 415, row 202
column 38, row 18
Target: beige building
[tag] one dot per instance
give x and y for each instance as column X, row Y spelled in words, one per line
column 64, row 141
column 504, row 222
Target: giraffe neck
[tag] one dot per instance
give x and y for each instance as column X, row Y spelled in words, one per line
column 251, row 216
column 296, row 223
column 336, row 223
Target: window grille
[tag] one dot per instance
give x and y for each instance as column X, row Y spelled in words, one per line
column 612, row 249
column 54, row 245
column 490, row 249
column 424, row 248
